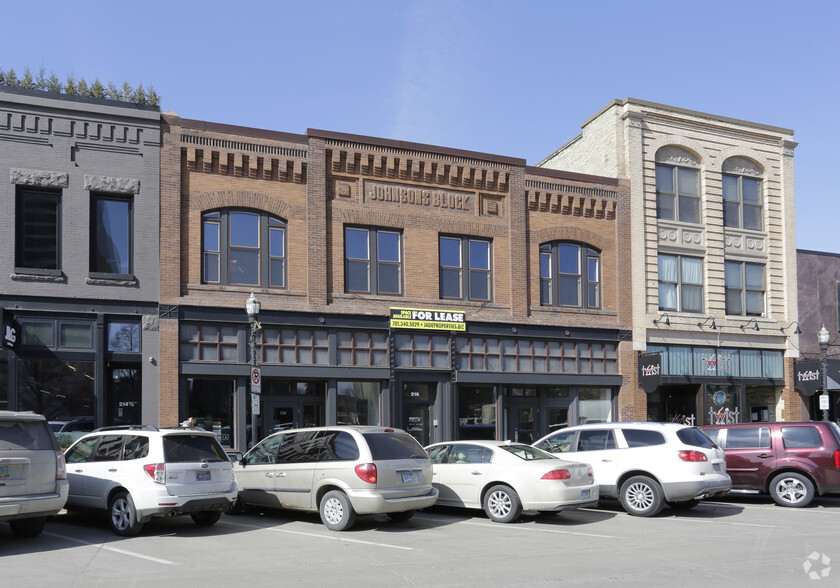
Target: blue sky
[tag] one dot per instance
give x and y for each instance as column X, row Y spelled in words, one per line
column 513, row 78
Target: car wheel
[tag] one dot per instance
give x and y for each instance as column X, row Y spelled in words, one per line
column 123, row 516
column 641, row 496
column 337, row 513
column 237, row 507
column 684, row 504
column 502, row 505
column 791, row 489
column 28, row 527
column 399, row 517
column 205, row 518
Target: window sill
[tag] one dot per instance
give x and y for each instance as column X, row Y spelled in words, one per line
column 98, row 279
column 25, row 274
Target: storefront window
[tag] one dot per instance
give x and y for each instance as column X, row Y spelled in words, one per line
column 476, row 413
column 4, row 384
column 124, row 337
column 211, row 403
column 76, row 335
column 722, row 405
column 595, row 405
column 59, row 390
column 358, row 403
column 762, row 402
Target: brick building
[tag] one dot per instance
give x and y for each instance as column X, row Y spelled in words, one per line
column 79, row 257
column 713, row 270
column 452, row 293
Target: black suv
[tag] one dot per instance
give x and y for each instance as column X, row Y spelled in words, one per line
column 790, row 461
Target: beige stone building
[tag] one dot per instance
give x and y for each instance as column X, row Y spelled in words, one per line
column 713, row 268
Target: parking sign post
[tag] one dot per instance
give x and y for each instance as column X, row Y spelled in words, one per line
column 252, row 307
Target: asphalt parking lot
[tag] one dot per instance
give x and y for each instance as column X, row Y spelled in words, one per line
column 746, row 541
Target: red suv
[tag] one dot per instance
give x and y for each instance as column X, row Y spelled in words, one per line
column 789, row 461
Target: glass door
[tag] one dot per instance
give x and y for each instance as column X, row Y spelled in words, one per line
column 417, row 401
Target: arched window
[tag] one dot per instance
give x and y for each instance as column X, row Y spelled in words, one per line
column 243, row 247
column 742, row 194
column 677, row 185
column 570, row 275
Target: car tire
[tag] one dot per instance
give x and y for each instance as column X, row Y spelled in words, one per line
column 502, row 504
column 336, row 512
column 122, row 516
column 641, row 496
column 684, row 504
column 31, row 527
column 206, row 518
column 792, row 489
column 399, row 517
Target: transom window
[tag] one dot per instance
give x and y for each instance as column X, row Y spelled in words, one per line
column 677, row 193
column 742, row 202
column 570, row 275
column 111, row 235
column 38, row 230
column 372, row 261
column 680, row 283
column 744, row 288
column 244, row 248
column 465, row 268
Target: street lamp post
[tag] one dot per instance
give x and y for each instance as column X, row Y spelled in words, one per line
column 252, row 307
column 823, row 337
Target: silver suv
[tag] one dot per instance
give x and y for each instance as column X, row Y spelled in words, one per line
column 645, row 465
column 33, row 477
column 136, row 473
column 338, row 471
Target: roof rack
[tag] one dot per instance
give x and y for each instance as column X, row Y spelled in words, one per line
column 126, row 428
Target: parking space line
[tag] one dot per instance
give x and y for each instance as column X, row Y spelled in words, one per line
column 114, row 549
column 540, row 530
column 330, row 537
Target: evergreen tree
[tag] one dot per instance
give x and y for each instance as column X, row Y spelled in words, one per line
column 70, row 86
column 153, row 97
column 54, row 84
column 82, row 87
column 139, row 95
column 12, row 79
column 97, row 90
column 27, row 82
column 41, row 80
column 112, row 92
column 127, row 92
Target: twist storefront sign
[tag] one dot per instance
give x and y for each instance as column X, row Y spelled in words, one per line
column 435, row 320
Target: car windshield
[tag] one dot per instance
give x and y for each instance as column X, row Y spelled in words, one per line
column 696, row 437
column 394, row 446
column 526, row 452
column 187, row 448
column 25, row 435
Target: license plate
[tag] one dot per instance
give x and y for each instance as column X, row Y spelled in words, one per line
column 409, row 478
column 584, row 494
column 202, row 476
column 717, row 467
column 4, row 471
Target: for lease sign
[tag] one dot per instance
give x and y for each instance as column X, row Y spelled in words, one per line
column 419, row 318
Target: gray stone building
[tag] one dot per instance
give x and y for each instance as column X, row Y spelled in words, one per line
column 79, row 257
column 714, row 256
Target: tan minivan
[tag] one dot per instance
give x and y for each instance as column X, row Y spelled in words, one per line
column 33, row 476
column 340, row 471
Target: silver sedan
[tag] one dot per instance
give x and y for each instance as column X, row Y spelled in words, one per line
column 506, row 478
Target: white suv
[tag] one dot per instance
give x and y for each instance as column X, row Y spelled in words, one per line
column 135, row 473
column 646, row 465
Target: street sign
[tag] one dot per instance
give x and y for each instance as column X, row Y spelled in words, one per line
column 823, row 401
column 256, row 380
column 255, row 404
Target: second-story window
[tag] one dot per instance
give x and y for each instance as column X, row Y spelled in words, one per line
column 570, row 275
column 38, row 230
column 372, row 261
column 677, row 193
column 745, row 288
column 742, row 205
column 680, row 283
column 111, row 235
column 465, row 268
column 243, row 248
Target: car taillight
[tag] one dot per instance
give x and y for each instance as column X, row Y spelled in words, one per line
column 557, row 475
column 589, row 473
column 837, row 459
column 693, row 456
column 156, row 471
column 60, row 466
column 367, row 472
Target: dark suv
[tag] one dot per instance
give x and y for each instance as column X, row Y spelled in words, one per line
column 789, row 461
